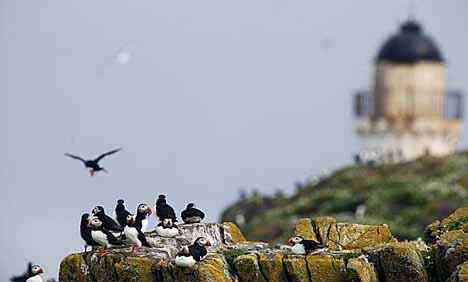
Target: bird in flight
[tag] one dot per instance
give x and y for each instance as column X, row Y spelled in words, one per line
column 93, row 165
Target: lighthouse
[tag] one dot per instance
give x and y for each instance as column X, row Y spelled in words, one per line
column 409, row 112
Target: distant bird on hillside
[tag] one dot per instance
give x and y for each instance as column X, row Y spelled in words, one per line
column 192, row 214
column 93, row 164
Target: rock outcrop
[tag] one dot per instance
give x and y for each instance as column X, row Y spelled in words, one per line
column 355, row 252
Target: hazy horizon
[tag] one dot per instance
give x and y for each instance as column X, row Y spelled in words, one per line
column 204, row 98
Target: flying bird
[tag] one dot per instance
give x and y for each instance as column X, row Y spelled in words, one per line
column 93, row 165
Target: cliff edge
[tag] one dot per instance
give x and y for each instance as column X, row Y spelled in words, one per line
column 355, row 252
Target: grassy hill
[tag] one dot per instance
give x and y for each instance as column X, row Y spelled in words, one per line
column 406, row 196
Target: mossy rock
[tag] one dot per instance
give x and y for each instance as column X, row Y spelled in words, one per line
column 305, row 229
column 134, row 269
column 324, row 268
column 248, row 269
column 213, row 268
column 399, row 262
column 326, row 231
column 271, row 264
column 451, row 250
column 296, row 268
column 358, row 236
column 363, row 269
column 74, row 268
column 458, row 220
column 460, row 274
column 232, row 233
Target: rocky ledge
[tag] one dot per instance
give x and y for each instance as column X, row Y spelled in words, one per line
column 355, row 253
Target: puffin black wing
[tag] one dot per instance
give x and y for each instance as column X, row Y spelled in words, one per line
column 85, row 231
column 197, row 252
column 192, row 212
column 311, row 245
column 110, row 224
column 142, row 238
column 121, row 213
column 107, row 154
column 75, row 157
column 111, row 238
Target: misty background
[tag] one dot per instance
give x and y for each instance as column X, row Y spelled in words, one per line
column 205, row 97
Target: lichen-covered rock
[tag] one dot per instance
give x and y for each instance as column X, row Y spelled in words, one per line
column 458, row 220
column 451, row 250
column 363, row 269
column 214, row 268
column 248, row 269
column 296, row 268
column 346, row 236
column 74, row 268
column 232, row 234
column 305, row 229
column 399, row 261
column 324, row 268
column 460, row 274
column 271, row 264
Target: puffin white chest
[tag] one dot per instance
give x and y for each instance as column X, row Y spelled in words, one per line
column 167, row 232
column 100, row 238
column 132, row 235
column 185, row 261
column 35, row 278
column 144, row 225
column 298, row 249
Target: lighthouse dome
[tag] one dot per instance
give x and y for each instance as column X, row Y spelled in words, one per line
column 409, row 45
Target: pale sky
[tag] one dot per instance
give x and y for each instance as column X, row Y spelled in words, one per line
column 204, row 97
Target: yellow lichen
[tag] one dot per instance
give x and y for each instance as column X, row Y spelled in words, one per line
column 233, row 232
column 213, row 269
column 296, row 268
column 365, row 270
column 326, row 268
column 271, row 265
column 304, row 228
column 248, row 269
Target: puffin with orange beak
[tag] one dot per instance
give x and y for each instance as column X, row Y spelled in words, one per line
column 190, row 255
column 35, row 275
column 301, row 246
column 134, row 234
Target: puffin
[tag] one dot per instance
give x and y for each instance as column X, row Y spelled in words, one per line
column 190, row 255
column 134, row 234
column 167, row 228
column 102, row 236
column 163, row 210
column 121, row 212
column 107, row 221
column 192, row 214
column 93, row 165
column 85, row 232
column 35, row 275
column 141, row 219
column 301, row 246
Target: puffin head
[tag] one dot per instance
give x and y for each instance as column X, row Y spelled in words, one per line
column 130, row 219
column 295, row 240
column 95, row 223
column 202, row 241
column 190, row 205
column 167, row 222
column 98, row 210
column 161, row 199
column 120, row 202
column 144, row 208
column 36, row 269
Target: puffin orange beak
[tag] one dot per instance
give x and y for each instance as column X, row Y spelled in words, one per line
column 290, row 242
column 208, row 243
column 41, row 270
